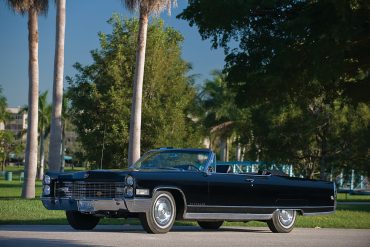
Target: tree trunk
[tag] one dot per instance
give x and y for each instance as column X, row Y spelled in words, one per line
column 135, row 119
column 224, row 149
column 62, row 153
column 3, row 163
column 238, row 152
column 323, row 156
column 56, row 115
column 323, row 175
column 243, row 154
column 28, row 189
column 40, row 172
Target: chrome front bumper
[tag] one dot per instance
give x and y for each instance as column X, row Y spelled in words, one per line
column 134, row 205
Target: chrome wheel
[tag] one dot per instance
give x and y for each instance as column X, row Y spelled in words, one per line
column 161, row 215
column 282, row 220
column 286, row 217
column 163, row 211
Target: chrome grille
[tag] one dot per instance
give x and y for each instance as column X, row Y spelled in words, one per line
column 87, row 190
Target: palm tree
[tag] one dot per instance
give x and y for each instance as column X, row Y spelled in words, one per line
column 33, row 8
column 220, row 112
column 55, row 161
column 146, row 8
column 44, row 129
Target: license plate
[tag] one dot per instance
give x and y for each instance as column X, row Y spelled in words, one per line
column 85, row 206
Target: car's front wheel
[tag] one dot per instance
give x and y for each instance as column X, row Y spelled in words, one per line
column 282, row 221
column 210, row 225
column 80, row 221
column 161, row 215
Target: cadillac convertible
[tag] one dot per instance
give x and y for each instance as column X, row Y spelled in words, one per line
column 168, row 184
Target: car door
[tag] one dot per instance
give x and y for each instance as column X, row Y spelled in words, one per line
column 240, row 193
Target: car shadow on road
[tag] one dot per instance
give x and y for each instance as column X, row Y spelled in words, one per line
column 121, row 229
column 139, row 229
column 30, row 242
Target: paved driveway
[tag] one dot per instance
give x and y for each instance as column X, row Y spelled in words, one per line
column 52, row 235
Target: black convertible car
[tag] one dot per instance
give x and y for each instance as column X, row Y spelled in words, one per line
column 185, row 184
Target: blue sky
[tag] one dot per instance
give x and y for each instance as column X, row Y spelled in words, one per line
column 85, row 18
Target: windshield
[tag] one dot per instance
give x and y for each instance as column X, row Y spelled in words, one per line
column 182, row 160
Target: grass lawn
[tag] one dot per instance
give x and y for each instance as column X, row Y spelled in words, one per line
column 343, row 197
column 14, row 210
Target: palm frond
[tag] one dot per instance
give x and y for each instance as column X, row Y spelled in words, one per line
column 150, row 6
column 23, row 6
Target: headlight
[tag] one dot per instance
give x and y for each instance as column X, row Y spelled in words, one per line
column 129, row 180
column 129, row 191
column 46, row 190
column 46, row 179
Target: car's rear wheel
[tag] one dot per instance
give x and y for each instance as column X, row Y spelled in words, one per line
column 210, row 225
column 161, row 215
column 282, row 221
column 80, row 221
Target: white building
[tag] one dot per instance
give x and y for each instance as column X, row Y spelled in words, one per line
column 17, row 121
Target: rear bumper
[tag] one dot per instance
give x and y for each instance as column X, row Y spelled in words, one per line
column 134, row 205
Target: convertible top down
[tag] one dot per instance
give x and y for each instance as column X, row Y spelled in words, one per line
column 185, row 184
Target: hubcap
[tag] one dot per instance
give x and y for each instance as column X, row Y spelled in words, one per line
column 163, row 212
column 286, row 217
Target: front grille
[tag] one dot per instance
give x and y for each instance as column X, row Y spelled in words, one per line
column 87, row 190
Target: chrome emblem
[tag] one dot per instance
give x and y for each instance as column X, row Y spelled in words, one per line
column 99, row 193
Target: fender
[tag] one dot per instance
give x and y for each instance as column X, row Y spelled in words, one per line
column 159, row 188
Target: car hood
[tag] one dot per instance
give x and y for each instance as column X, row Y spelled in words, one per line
column 101, row 175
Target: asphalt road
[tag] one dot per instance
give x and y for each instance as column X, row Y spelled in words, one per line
column 57, row 235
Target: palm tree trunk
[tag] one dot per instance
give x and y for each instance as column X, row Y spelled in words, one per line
column 135, row 119
column 56, row 117
column 238, row 151
column 224, row 149
column 28, row 189
column 63, row 162
column 40, row 172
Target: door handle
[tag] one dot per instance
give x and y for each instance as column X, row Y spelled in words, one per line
column 249, row 180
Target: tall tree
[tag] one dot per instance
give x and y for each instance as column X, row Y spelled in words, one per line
column 55, row 145
column 220, row 112
column 44, row 129
column 146, row 8
column 290, row 63
column 33, row 8
column 289, row 43
column 100, row 94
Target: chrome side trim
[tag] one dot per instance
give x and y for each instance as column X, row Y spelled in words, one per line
column 226, row 216
column 317, row 213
